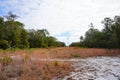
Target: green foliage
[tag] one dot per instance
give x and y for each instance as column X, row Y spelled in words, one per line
column 2, row 29
column 60, row 44
column 13, row 35
column 51, row 41
column 37, row 38
column 77, row 44
column 41, row 39
column 24, row 39
column 4, row 44
column 13, row 32
column 93, row 38
column 109, row 37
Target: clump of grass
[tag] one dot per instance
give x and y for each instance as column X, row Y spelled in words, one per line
column 33, row 70
column 6, row 60
column 75, row 55
column 56, row 63
column 26, row 57
column 28, row 53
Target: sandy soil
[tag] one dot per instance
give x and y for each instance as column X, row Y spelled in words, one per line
column 96, row 68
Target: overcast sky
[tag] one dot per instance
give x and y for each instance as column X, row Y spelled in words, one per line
column 66, row 20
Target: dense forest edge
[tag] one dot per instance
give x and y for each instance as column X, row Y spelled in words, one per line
column 14, row 35
column 108, row 37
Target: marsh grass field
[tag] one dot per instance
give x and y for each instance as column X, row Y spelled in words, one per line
column 56, row 63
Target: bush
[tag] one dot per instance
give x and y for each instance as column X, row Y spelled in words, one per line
column 6, row 60
column 74, row 55
column 75, row 44
column 44, row 46
column 4, row 44
column 21, row 46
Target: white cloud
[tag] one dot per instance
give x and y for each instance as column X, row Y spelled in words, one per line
column 59, row 16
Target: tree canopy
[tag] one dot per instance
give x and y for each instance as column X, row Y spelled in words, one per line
column 13, row 35
column 109, row 37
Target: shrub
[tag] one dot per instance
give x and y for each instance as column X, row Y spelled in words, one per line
column 74, row 55
column 56, row 63
column 4, row 44
column 6, row 60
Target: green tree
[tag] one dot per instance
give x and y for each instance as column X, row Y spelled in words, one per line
column 42, row 34
column 116, row 28
column 11, row 16
column 24, row 39
column 14, row 31
column 38, row 38
column 75, row 44
column 60, row 44
column 2, row 28
column 111, row 32
column 51, row 41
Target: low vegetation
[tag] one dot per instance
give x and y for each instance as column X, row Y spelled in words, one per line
column 25, row 64
column 75, row 56
column 61, row 52
column 26, row 69
column 6, row 60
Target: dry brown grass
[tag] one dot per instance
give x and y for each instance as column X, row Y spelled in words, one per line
column 69, row 52
column 34, row 70
column 23, row 68
column 63, row 52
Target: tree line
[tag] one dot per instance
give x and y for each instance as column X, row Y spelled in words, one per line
column 13, row 35
column 108, row 37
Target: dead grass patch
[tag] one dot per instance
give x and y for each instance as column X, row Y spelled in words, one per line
column 66, row 52
column 34, row 70
column 62, row 52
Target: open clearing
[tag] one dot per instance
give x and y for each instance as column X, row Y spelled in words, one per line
column 60, row 64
